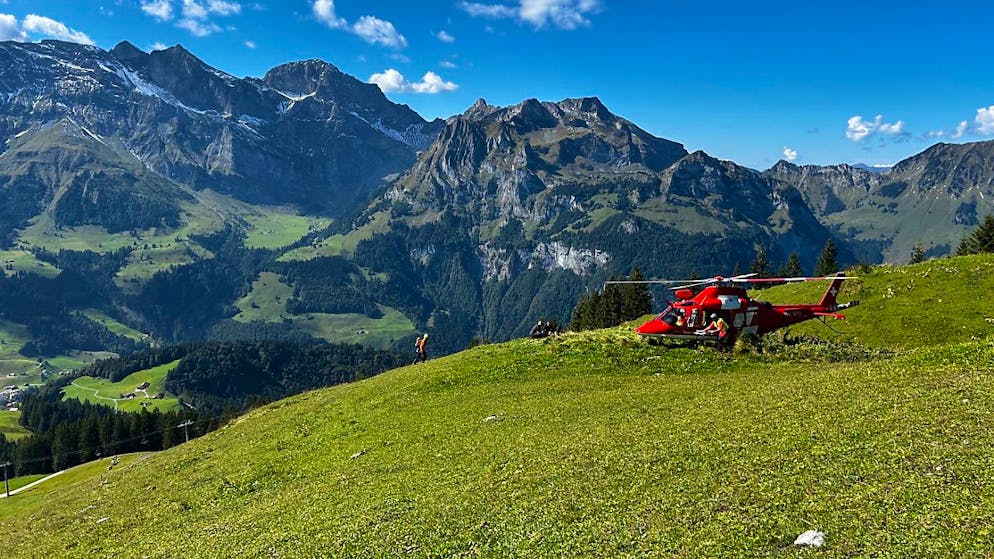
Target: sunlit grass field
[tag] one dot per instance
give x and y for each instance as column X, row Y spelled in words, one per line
column 91, row 472
column 9, row 426
column 102, row 391
column 592, row 444
column 267, row 302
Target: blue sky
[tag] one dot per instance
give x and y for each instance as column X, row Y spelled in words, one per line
column 754, row 82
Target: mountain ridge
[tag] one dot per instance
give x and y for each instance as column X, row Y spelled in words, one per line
column 477, row 225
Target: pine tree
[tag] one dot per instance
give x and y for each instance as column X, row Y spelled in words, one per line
column 584, row 311
column 828, row 263
column 611, row 302
column 761, row 265
column 917, row 254
column 980, row 241
column 792, row 268
column 637, row 299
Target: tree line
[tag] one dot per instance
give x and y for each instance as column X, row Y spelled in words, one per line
column 615, row 304
column 68, row 433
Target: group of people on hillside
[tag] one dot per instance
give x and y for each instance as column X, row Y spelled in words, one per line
column 544, row 329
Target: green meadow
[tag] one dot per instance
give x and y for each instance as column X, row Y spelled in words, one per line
column 102, row 391
column 592, row 444
column 9, row 426
column 99, row 470
column 267, row 302
column 113, row 325
column 14, row 261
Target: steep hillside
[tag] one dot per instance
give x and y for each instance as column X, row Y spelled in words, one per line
column 589, row 445
column 306, row 134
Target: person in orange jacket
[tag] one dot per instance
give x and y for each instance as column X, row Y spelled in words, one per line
column 421, row 348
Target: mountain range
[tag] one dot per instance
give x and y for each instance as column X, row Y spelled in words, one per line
column 181, row 202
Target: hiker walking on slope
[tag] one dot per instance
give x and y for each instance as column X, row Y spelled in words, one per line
column 421, row 348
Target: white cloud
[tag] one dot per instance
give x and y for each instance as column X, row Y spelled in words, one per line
column 48, row 27
column 391, row 81
column 859, row 129
column 193, row 10
column 564, row 14
column 789, row 154
column 159, row 46
column 161, row 10
column 371, row 29
column 445, row 37
column 196, row 16
column 985, row 120
column 249, row 44
column 448, row 64
column 198, row 28
column 221, row 7
column 955, row 134
column 960, row 130
column 374, row 30
column 488, row 10
column 324, row 11
column 10, row 30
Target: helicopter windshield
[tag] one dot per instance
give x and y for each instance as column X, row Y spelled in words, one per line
column 673, row 316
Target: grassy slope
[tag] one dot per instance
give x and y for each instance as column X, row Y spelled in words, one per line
column 102, row 391
column 338, row 245
column 267, row 302
column 10, row 427
column 935, row 302
column 591, row 445
column 14, row 261
column 113, row 325
column 92, row 472
column 358, row 328
column 160, row 248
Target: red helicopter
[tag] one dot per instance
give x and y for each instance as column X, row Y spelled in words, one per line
column 686, row 319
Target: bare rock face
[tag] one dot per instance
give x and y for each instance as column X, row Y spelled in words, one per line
column 500, row 161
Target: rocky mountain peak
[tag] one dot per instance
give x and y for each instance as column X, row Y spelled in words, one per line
column 303, row 77
column 128, row 53
column 479, row 110
column 590, row 107
column 530, row 115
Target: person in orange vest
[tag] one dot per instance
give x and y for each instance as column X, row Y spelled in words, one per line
column 421, row 347
column 720, row 327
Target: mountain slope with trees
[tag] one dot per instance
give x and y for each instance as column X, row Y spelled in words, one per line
column 172, row 192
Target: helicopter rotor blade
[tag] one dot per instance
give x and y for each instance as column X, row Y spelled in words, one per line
column 794, row 279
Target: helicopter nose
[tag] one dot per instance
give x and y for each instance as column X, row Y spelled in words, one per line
column 652, row 327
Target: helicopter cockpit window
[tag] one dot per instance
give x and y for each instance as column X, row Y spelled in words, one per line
column 674, row 316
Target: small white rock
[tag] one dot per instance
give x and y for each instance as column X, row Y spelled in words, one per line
column 490, row 418
column 813, row 538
